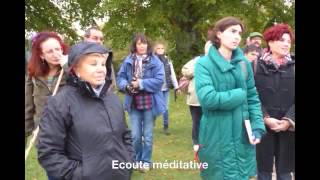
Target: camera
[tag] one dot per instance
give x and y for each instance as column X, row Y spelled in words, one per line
column 130, row 89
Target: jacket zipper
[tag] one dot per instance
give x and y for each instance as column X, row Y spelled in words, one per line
column 107, row 114
column 53, row 83
column 45, row 85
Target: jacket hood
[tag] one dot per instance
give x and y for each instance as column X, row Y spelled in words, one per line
column 82, row 48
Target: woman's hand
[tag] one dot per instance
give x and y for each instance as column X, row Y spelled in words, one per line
column 63, row 60
column 255, row 141
column 283, row 126
column 272, row 123
column 135, row 84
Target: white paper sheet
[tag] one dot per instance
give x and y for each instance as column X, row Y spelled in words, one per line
column 249, row 130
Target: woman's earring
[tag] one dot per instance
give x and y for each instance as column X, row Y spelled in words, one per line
column 42, row 60
column 78, row 75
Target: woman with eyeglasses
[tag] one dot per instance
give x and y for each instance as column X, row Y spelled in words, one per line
column 44, row 66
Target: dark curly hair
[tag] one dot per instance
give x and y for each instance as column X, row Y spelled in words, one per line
column 143, row 39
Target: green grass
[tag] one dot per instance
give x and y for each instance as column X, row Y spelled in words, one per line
column 177, row 146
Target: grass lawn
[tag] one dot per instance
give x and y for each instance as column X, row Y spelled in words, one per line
column 177, row 146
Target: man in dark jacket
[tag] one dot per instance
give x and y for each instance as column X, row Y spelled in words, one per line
column 94, row 34
column 255, row 38
column 83, row 130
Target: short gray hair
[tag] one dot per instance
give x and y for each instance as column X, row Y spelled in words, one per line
column 87, row 33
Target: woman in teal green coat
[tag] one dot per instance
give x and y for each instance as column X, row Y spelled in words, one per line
column 227, row 94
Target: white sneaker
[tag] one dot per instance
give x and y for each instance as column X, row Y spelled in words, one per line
column 145, row 168
column 137, row 165
column 195, row 147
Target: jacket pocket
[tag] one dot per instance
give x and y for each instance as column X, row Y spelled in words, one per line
column 77, row 173
column 289, row 73
column 97, row 166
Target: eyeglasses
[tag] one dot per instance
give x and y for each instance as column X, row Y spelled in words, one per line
column 51, row 51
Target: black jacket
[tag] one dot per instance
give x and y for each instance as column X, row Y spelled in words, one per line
column 276, row 89
column 80, row 134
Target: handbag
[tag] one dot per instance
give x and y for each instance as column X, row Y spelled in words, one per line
column 183, row 84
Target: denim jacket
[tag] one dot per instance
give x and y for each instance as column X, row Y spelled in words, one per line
column 153, row 78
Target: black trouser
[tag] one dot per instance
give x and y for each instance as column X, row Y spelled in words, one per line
column 268, row 176
column 276, row 149
column 196, row 114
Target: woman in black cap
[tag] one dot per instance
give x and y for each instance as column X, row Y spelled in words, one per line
column 83, row 131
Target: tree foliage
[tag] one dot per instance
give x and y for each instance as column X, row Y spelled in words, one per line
column 59, row 15
column 183, row 24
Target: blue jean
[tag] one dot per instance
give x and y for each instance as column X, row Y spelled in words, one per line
column 268, row 176
column 142, row 125
column 50, row 177
column 165, row 115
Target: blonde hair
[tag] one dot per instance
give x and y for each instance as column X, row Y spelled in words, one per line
column 159, row 43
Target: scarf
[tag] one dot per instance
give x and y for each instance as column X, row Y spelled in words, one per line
column 98, row 89
column 267, row 58
column 138, row 65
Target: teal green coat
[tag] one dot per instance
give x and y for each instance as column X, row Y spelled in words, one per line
column 228, row 96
